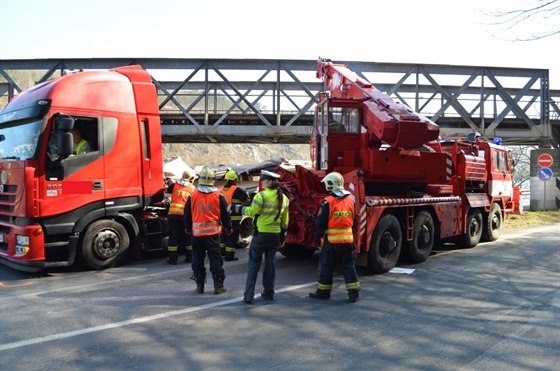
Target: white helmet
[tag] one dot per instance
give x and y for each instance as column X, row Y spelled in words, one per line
column 334, row 183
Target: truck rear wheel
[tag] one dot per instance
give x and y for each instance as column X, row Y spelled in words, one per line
column 104, row 244
column 418, row 250
column 386, row 245
column 474, row 230
column 492, row 224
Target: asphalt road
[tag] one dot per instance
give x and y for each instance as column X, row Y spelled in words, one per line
column 494, row 307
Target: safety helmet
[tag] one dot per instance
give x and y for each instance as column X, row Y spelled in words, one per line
column 231, row 175
column 333, row 182
column 189, row 175
column 206, row 176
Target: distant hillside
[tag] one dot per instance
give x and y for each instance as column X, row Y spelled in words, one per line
column 195, row 154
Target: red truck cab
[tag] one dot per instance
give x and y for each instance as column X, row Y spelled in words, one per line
column 56, row 205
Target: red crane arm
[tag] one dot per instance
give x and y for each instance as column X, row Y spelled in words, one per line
column 385, row 119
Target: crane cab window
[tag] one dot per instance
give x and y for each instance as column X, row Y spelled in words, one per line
column 344, row 120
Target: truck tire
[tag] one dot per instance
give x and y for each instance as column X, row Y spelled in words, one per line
column 296, row 251
column 492, row 223
column 420, row 248
column 474, row 230
column 104, row 244
column 386, row 245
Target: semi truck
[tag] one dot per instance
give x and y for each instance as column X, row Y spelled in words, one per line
column 57, row 207
column 412, row 189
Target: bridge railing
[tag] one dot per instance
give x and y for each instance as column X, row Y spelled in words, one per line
column 260, row 100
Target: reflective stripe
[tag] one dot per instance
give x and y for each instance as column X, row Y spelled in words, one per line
column 171, row 248
column 353, row 285
column 324, row 287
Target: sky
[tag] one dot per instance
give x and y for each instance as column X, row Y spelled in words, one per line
column 455, row 32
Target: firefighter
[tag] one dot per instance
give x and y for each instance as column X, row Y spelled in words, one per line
column 269, row 210
column 234, row 196
column 178, row 239
column 205, row 215
column 334, row 225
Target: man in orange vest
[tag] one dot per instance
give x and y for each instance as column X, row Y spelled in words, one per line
column 182, row 189
column 334, row 225
column 205, row 216
column 234, row 195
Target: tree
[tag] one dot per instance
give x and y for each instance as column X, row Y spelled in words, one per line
column 521, row 156
column 542, row 14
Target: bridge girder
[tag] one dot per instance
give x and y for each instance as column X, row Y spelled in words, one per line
column 272, row 101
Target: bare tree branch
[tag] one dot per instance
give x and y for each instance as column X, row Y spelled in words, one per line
column 540, row 12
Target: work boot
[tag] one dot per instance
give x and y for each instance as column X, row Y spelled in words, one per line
column 219, row 284
column 200, row 279
column 353, row 296
column 188, row 256
column 172, row 257
column 320, row 294
column 230, row 256
column 267, row 295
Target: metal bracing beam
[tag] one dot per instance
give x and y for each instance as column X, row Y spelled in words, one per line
column 521, row 97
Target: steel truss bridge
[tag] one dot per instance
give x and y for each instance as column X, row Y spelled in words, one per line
column 272, row 101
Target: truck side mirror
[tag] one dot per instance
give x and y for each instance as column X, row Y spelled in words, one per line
column 65, row 141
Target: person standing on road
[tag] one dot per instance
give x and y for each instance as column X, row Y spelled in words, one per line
column 269, row 211
column 234, row 195
column 178, row 239
column 334, row 225
column 205, row 215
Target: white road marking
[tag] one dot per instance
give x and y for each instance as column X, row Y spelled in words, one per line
column 135, row 321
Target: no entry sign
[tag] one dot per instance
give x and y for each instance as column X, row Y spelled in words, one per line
column 545, row 160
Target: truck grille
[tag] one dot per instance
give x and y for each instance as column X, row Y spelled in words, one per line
column 8, row 198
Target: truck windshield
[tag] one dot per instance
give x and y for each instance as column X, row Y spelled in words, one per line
column 20, row 141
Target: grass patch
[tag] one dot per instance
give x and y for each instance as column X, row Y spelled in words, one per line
column 531, row 219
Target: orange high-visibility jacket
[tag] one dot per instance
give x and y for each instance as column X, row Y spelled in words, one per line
column 179, row 198
column 341, row 219
column 205, row 209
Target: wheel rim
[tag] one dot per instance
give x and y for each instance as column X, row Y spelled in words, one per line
column 495, row 221
column 387, row 244
column 106, row 244
column 474, row 227
column 424, row 236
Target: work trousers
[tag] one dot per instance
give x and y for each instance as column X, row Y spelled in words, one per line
column 331, row 255
column 210, row 245
column 178, row 239
column 262, row 244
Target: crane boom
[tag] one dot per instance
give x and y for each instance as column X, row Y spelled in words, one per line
column 383, row 118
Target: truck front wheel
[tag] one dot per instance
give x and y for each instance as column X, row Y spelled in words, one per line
column 104, row 244
column 492, row 223
column 474, row 230
column 386, row 245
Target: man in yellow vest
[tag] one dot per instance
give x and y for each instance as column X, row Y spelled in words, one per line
column 234, row 195
column 178, row 239
column 269, row 211
column 81, row 145
column 206, row 215
column 335, row 224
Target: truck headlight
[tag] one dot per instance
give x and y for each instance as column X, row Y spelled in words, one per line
column 22, row 244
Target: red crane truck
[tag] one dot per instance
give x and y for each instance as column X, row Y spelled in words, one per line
column 56, row 206
column 411, row 190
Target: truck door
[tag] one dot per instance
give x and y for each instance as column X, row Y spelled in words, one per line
column 75, row 183
column 500, row 181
